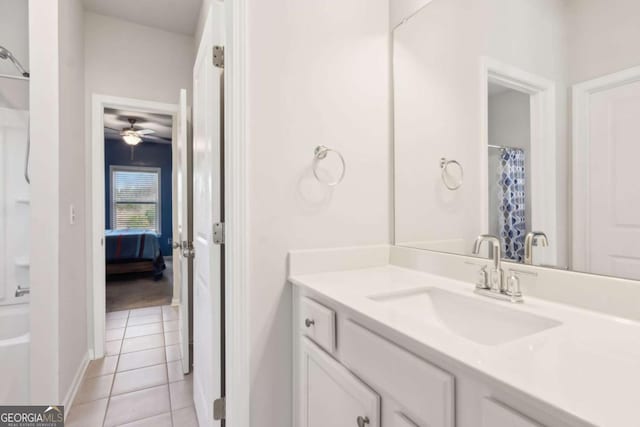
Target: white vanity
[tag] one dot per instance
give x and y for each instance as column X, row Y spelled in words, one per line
column 515, row 123
column 380, row 345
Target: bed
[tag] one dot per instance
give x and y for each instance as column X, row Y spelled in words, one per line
column 133, row 251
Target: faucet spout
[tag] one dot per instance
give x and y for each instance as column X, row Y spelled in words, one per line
column 533, row 238
column 495, row 248
column 496, row 276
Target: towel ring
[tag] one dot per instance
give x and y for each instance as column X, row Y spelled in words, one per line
column 320, row 153
column 444, row 165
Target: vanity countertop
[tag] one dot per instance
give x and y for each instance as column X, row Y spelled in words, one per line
column 588, row 367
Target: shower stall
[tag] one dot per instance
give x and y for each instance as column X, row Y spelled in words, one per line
column 14, row 203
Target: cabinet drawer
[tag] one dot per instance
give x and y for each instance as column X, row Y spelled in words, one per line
column 495, row 414
column 424, row 391
column 318, row 323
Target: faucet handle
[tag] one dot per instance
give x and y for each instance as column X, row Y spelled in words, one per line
column 513, row 288
column 482, row 281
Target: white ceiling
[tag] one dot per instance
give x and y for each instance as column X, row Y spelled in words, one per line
column 178, row 16
column 116, row 120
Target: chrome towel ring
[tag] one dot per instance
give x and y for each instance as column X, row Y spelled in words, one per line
column 444, row 166
column 320, row 153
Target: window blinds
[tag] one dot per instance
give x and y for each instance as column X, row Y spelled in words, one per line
column 136, row 199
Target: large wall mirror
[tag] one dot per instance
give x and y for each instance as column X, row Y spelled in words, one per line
column 521, row 119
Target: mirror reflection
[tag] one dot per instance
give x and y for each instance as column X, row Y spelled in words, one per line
column 520, row 119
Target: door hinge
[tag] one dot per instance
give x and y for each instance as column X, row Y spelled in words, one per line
column 218, row 56
column 219, row 409
column 218, row 233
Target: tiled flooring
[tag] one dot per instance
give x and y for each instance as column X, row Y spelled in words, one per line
column 140, row 381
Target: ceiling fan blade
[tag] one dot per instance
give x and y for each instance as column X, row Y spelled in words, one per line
column 145, row 131
column 159, row 139
column 113, row 129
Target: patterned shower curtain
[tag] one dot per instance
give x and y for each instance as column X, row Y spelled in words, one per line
column 511, row 196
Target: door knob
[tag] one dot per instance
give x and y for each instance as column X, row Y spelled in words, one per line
column 362, row 421
column 309, row 322
column 188, row 251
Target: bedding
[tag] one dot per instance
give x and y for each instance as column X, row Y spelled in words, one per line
column 133, row 250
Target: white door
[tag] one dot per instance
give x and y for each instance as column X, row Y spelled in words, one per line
column 614, row 198
column 333, row 396
column 181, row 227
column 207, row 210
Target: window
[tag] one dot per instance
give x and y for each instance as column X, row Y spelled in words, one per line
column 135, row 198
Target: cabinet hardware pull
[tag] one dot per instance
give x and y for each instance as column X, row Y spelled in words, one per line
column 308, row 322
column 362, row 421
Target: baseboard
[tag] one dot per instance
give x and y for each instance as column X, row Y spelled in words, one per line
column 75, row 385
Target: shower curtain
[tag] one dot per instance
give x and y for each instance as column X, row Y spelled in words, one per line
column 511, row 196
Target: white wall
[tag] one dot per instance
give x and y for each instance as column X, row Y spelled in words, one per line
column 437, row 57
column 72, row 245
column 202, row 16
column 436, row 115
column 45, row 142
column 603, row 37
column 131, row 60
column 399, row 10
column 318, row 75
column 58, row 295
column 509, row 119
column 14, row 35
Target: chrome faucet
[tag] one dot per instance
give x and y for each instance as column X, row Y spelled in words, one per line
column 533, row 238
column 20, row 291
column 493, row 283
column 496, row 275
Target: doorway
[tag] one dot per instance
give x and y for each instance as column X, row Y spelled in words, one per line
column 509, row 151
column 132, row 188
column 508, row 91
column 139, row 203
column 209, row 376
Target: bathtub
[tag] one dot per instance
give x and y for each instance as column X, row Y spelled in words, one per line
column 14, row 354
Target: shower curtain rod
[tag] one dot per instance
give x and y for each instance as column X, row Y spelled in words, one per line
column 12, row 77
column 502, row 147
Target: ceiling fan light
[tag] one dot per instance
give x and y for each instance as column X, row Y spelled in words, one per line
column 131, row 139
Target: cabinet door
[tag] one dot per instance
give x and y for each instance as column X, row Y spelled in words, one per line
column 495, row 414
column 333, row 396
column 400, row 420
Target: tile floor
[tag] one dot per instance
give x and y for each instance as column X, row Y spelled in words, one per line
column 140, row 381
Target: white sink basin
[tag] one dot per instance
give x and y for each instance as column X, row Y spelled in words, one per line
column 484, row 322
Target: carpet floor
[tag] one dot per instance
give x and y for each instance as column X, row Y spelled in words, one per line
column 129, row 291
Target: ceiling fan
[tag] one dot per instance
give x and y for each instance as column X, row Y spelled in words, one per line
column 134, row 136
